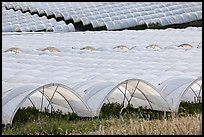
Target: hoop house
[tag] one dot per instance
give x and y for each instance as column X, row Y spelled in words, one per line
column 177, row 89
column 51, row 96
column 133, row 91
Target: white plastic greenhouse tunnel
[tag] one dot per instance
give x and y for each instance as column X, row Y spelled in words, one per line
column 60, row 97
column 178, row 89
column 51, row 96
column 132, row 91
column 87, row 99
column 113, row 16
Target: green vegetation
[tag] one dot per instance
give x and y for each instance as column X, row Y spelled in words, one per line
column 112, row 120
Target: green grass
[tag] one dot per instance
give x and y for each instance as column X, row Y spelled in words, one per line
column 29, row 121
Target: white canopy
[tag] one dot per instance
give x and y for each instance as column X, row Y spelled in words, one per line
column 134, row 91
column 51, row 96
column 167, row 13
column 178, row 89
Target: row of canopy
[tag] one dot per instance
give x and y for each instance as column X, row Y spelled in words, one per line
column 116, row 15
column 16, row 21
column 86, row 100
